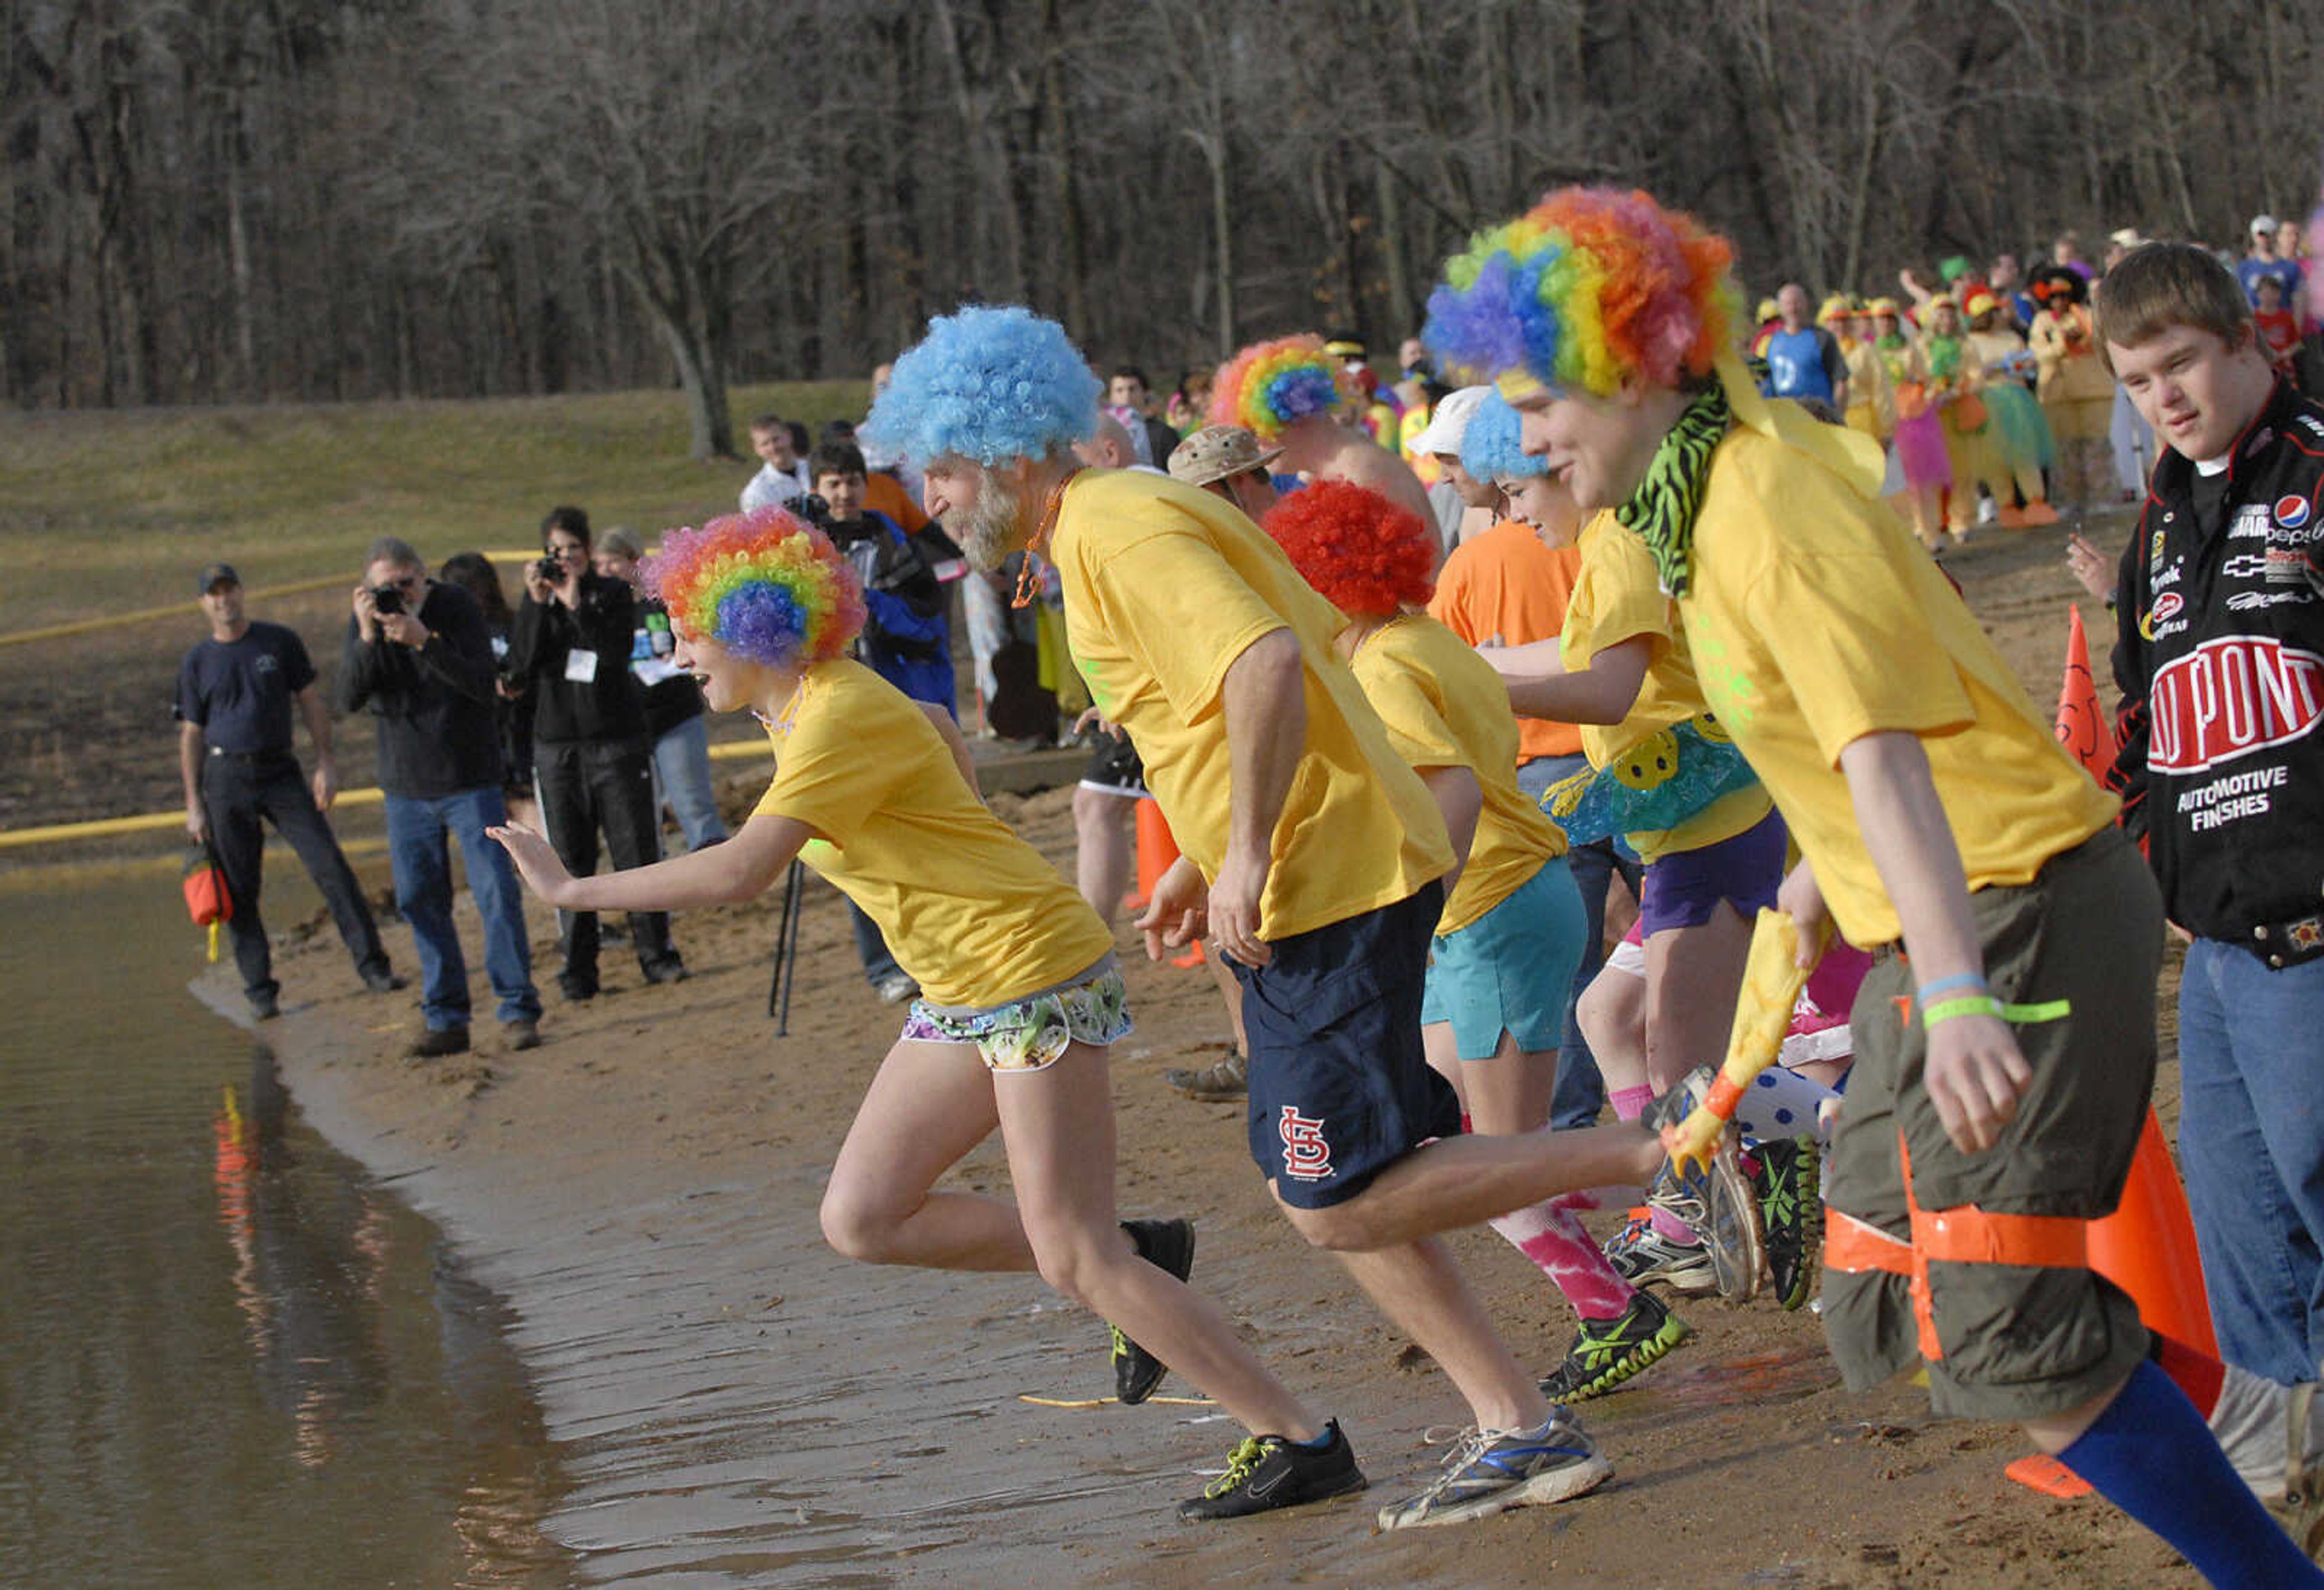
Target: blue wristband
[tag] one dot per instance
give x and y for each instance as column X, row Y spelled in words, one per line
column 1960, row 979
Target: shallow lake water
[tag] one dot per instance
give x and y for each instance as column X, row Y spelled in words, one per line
column 227, row 1356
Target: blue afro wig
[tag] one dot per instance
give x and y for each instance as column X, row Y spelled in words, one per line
column 986, row 384
column 1489, row 447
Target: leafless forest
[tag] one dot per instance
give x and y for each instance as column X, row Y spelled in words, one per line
column 216, row 200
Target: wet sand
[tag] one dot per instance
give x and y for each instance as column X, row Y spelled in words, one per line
column 735, row 1404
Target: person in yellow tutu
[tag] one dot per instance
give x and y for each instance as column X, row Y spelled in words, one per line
column 2076, row 391
column 2022, row 446
column 1871, row 400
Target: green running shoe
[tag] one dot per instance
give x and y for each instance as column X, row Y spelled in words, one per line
column 1167, row 1244
column 1789, row 1207
column 1606, row 1351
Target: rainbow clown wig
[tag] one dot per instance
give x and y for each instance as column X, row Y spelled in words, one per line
column 1269, row 386
column 1590, row 288
column 764, row 586
column 1368, row 556
column 1489, row 450
column 986, row 384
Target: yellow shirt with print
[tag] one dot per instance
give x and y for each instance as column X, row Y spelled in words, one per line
column 971, row 911
column 1445, row 707
column 1618, row 597
column 1166, row 586
column 1815, row 620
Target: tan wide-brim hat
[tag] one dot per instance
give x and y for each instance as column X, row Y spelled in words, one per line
column 1216, row 452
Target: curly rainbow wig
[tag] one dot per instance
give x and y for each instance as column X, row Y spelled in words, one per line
column 1489, row 447
column 986, row 384
column 1269, row 385
column 1368, row 556
column 1589, row 287
column 762, row 584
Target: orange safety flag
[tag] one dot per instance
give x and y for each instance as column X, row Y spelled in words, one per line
column 2081, row 727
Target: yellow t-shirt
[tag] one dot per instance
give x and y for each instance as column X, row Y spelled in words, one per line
column 1445, row 707
column 1618, row 597
column 1815, row 620
column 1166, row 586
column 969, row 910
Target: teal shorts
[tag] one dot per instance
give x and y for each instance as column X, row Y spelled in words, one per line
column 1511, row 971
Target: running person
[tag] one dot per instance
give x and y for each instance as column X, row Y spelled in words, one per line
column 1936, row 813
column 1493, row 1007
column 1313, row 857
column 1020, row 996
column 1630, row 682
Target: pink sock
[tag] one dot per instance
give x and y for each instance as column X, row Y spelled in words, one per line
column 1631, row 1103
column 1670, row 1226
column 1554, row 1239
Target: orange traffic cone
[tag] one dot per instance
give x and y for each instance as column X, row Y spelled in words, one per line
column 2147, row 1248
column 1155, row 851
column 2081, row 726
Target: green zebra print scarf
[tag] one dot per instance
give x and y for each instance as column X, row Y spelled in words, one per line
column 1662, row 510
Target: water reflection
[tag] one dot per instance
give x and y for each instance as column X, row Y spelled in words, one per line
column 226, row 1355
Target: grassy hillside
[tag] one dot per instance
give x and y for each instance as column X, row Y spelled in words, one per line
column 105, row 512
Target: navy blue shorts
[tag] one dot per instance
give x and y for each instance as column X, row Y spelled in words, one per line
column 1340, row 1089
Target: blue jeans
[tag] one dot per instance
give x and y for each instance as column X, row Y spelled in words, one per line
column 418, row 831
column 1580, row 1095
column 681, row 761
column 2251, row 1138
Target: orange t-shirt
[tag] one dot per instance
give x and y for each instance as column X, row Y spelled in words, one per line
column 883, row 493
column 1505, row 587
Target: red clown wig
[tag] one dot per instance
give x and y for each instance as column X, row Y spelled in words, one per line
column 1368, row 556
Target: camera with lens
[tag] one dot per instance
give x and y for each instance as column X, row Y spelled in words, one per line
column 548, row 571
column 386, row 600
column 814, row 510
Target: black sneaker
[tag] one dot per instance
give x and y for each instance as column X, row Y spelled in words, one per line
column 381, row 979
column 1268, row 1472
column 670, row 969
column 262, row 1007
column 577, row 989
column 1787, row 1186
column 1167, row 1245
column 437, row 1043
column 1606, row 1351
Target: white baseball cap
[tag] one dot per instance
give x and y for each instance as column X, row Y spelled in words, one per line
column 2262, row 224
column 1450, row 423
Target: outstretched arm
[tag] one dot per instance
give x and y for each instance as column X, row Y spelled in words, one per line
column 1603, row 693
column 1976, row 1072
column 718, row 875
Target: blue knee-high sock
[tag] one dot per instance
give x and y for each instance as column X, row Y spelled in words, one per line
column 2151, row 1455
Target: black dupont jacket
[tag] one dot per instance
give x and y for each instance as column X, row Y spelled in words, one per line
column 2220, row 653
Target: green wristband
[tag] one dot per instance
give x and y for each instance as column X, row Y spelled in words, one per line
column 1969, row 1004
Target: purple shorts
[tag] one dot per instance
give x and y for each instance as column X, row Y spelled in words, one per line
column 1683, row 888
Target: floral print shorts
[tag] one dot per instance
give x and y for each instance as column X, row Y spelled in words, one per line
column 1028, row 1033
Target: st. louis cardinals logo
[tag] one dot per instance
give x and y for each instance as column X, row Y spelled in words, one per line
column 1306, row 1156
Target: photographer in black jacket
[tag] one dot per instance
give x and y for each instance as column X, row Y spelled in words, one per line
column 418, row 654
column 572, row 643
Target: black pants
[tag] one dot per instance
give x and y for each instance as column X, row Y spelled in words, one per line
column 237, row 792
column 585, row 787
